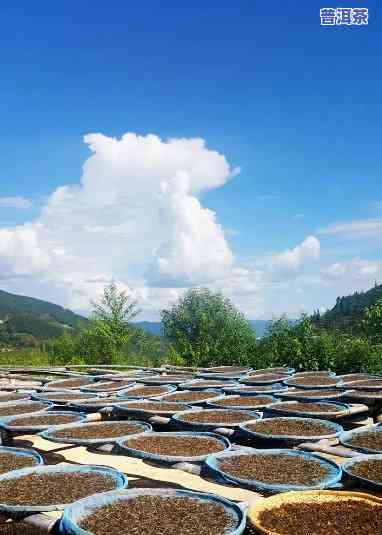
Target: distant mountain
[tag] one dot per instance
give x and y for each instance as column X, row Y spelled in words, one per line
column 346, row 315
column 155, row 327
column 152, row 327
column 259, row 326
column 21, row 315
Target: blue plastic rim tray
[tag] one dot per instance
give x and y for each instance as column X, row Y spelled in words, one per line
column 218, row 395
column 291, row 381
column 129, row 392
column 47, row 396
column 212, row 405
column 48, row 434
column 171, row 458
column 334, row 430
column 59, row 384
column 346, row 437
column 199, row 384
column 289, row 394
column 119, row 478
column 334, row 472
column 220, row 376
column 272, row 410
column 10, row 424
column 44, row 406
column 123, row 409
column 365, row 482
column 79, row 510
column 275, row 388
column 179, row 422
column 23, row 452
column 98, row 404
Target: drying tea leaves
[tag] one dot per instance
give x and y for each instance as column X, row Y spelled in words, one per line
column 369, row 382
column 176, row 445
column 365, row 394
column 53, row 488
column 12, row 396
column 44, row 420
column 216, row 417
column 99, row 402
column 64, row 396
column 250, row 401
column 299, row 406
column 10, row 461
column 289, row 427
column 345, row 517
column 146, row 391
column 314, row 393
column 70, row 383
column 371, row 440
column 314, row 380
column 99, row 430
column 266, row 377
column 157, row 515
column 369, row 469
column 209, row 384
column 156, row 406
column 275, row 469
column 109, row 386
column 190, row 396
column 255, row 388
column 21, row 408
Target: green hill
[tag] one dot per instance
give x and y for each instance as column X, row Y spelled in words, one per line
column 346, row 315
column 24, row 317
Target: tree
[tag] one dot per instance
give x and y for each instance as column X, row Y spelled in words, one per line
column 372, row 321
column 109, row 328
column 206, row 329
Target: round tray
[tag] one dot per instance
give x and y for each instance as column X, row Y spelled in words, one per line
column 9, row 423
column 290, row 440
column 209, row 426
column 48, row 433
column 274, row 502
column 363, row 481
column 171, row 458
column 346, row 436
column 82, row 508
column 119, row 478
column 23, row 452
column 213, row 405
column 343, row 411
column 123, row 409
column 334, row 471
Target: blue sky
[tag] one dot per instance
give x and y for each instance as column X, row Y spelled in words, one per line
column 295, row 105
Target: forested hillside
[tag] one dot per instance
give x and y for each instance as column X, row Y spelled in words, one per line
column 26, row 320
column 346, row 315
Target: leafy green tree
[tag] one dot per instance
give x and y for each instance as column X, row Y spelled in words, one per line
column 372, row 322
column 109, row 328
column 205, row 329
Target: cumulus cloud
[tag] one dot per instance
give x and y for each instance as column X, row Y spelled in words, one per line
column 135, row 216
column 292, row 259
column 15, row 202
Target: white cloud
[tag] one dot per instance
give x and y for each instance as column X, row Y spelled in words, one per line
column 15, row 202
column 292, row 259
column 355, row 269
column 354, row 229
column 135, row 217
